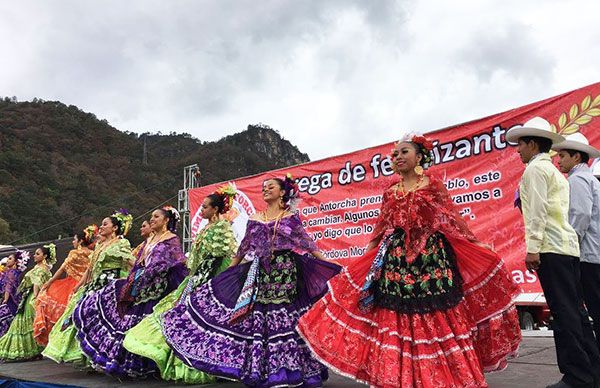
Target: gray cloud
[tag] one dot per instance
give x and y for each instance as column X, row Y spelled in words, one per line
column 511, row 49
column 351, row 74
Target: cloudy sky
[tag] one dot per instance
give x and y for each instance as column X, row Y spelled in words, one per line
column 331, row 76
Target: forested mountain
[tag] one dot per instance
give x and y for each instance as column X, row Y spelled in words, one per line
column 58, row 163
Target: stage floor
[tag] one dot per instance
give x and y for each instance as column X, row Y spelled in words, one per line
column 535, row 367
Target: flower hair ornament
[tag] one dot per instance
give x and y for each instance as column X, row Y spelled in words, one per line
column 52, row 256
column 425, row 148
column 90, row 232
column 174, row 217
column 22, row 259
column 291, row 198
column 125, row 221
column 228, row 193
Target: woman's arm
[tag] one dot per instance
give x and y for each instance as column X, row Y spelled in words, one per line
column 57, row 275
column 83, row 280
column 318, row 255
column 235, row 261
column 374, row 243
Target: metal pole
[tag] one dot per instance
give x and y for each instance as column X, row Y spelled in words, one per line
column 189, row 182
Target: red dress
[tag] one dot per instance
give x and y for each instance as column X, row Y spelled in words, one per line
column 429, row 308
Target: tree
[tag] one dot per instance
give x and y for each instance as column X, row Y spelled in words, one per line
column 6, row 236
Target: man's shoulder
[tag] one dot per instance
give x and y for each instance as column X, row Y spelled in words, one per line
column 583, row 176
column 540, row 168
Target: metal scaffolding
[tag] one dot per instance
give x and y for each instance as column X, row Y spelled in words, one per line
column 191, row 180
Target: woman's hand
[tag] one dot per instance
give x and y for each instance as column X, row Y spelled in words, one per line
column 235, row 261
column 46, row 285
column 485, row 246
column 319, row 255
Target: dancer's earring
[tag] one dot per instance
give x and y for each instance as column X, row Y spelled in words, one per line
column 419, row 170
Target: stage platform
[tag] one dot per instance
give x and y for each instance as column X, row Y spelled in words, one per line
column 535, row 367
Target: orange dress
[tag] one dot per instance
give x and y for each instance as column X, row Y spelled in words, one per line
column 136, row 251
column 50, row 304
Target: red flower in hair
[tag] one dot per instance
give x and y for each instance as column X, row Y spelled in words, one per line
column 423, row 141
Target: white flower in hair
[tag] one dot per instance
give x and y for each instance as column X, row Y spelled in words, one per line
column 22, row 260
column 173, row 211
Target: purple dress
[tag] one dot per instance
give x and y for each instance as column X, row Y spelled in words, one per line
column 242, row 324
column 9, row 283
column 103, row 317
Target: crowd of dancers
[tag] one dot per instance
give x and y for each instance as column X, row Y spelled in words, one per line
column 426, row 306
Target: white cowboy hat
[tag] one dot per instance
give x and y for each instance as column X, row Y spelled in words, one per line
column 577, row 142
column 537, row 127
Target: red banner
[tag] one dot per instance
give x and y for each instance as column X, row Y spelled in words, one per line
column 342, row 194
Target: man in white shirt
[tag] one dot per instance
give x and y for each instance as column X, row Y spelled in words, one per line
column 553, row 252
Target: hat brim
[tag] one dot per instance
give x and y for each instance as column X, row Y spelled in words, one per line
column 577, row 146
column 514, row 134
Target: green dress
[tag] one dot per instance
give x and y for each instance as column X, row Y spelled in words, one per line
column 107, row 263
column 211, row 254
column 18, row 342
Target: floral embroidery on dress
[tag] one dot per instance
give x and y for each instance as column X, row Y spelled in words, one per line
column 430, row 282
column 102, row 280
column 153, row 291
column 278, row 285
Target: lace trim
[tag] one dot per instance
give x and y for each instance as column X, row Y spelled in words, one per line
column 419, row 305
column 428, row 356
column 487, row 278
column 382, row 330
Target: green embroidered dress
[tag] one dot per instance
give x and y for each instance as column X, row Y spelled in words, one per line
column 107, row 263
column 18, row 342
column 211, row 254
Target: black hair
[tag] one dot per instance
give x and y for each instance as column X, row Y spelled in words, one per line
column 544, row 144
column 585, row 157
column 217, row 201
column 172, row 223
column 46, row 252
column 282, row 187
column 115, row 221
column 419, row 150
column 81, row 236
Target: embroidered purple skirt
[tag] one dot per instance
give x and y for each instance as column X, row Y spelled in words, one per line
column 262, row 349
column 101, row 331
column 7, row 314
